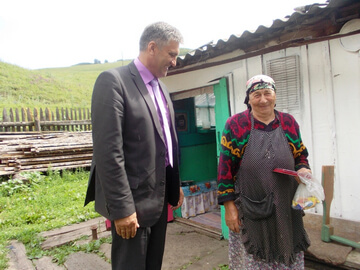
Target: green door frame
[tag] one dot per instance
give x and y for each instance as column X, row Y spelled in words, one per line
column 222, row 113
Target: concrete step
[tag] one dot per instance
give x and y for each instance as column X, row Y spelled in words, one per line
column 88, row 261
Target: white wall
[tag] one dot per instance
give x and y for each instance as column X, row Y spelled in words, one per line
column 345, row 67
column 322, row 116
column 334, row 83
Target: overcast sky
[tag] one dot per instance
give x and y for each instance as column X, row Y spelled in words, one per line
column 52, row 33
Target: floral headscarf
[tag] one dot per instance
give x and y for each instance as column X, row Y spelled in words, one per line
column 256, row 83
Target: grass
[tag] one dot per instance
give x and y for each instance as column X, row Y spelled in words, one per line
column 69, row 87
column 45, row 202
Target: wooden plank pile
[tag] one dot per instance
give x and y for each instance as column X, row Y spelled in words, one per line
column 21, row 152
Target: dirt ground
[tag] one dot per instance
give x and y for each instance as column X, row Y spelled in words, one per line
column 186, row 248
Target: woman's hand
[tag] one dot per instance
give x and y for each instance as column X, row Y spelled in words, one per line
column 302, row 171
column 232, row 216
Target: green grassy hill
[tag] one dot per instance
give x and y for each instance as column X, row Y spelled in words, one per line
column 69, row 87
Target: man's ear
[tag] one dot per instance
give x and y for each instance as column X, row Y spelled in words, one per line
column 152, row 47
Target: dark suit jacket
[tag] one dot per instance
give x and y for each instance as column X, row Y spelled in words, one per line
column 128, row 171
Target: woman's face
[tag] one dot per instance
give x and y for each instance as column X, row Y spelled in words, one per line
column 262, row 101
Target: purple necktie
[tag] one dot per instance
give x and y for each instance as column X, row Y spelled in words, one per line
column 162, row 117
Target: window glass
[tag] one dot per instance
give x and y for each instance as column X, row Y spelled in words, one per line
column 205, row 113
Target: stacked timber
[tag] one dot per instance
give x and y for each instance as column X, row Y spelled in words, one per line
column 23, row 152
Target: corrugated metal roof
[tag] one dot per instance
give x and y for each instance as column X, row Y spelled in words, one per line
column 306, row 24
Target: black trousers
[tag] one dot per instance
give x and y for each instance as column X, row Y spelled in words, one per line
column 143, row 252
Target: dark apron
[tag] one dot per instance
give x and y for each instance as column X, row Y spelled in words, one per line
column 271, row 230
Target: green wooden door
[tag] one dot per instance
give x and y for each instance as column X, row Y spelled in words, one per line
column 222, row 113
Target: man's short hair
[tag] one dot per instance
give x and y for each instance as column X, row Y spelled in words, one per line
column 160, row 32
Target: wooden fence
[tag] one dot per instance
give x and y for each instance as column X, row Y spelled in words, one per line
column 24, row 120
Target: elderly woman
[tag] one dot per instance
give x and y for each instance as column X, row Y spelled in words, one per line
column 265, row 232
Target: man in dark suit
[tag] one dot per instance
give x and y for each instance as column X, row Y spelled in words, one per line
column 135, row 168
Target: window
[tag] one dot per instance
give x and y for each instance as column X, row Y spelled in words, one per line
column 286, row 73
column 205, row 112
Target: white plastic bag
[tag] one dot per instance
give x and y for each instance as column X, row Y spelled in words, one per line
column 312, row 185
column 309, row 192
